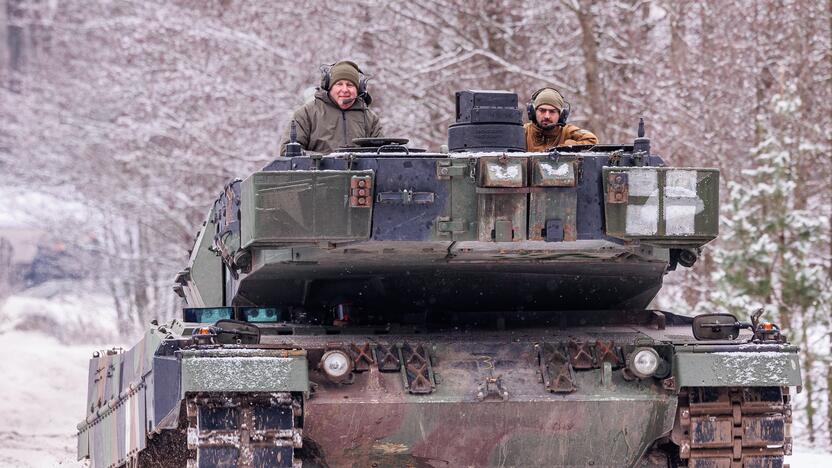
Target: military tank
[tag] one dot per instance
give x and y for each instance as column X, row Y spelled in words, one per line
column 477, row 306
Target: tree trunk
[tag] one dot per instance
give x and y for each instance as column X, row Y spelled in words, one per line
column 763, row 79
column 592, row 68
column 829, row 388
column 4, row 40
column 6, row 255
column 141, row 282
column 678, row 49
column 829, row 261
column 808, row 363
column 14, row 39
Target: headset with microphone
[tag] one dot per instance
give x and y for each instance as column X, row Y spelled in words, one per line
column 326, row 82
column 564, row 113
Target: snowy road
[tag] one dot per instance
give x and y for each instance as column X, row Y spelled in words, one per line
column 43, row 389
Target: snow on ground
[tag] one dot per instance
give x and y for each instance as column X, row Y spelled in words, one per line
column 809, row 458
column 45, row 343
column 43, row 390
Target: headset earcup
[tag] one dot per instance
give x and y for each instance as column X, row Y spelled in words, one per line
column 531, row 113
column 362, row 86
column 564, row 114
column 325, row 81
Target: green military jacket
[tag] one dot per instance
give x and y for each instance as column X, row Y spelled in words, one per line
column 323, row 127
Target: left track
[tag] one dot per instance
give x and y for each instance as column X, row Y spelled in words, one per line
column 243, row 430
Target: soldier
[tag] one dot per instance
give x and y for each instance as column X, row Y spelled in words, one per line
column 547, row 125
column 339, row 112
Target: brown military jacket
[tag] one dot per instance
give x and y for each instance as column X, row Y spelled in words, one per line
column 323, row 127
column 538, row 139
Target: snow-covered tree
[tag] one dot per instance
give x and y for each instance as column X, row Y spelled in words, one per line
column 774, row 250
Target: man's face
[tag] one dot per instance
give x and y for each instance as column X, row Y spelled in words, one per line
column 546, row 115
column 343, row 93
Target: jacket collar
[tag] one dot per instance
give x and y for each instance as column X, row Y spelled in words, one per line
column 552, row 132
column 545, row 137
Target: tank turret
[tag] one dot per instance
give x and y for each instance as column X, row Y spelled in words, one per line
column 483, row 229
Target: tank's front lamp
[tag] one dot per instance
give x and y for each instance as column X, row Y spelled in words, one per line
column 643, row 362
column 336, row 365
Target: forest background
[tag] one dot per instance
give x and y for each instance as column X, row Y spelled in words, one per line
column 123, row 119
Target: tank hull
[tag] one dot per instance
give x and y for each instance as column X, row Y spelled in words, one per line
column 375, row 421
column 499, row 395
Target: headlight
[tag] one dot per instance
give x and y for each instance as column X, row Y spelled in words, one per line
column 643, row 362
column 336, row 364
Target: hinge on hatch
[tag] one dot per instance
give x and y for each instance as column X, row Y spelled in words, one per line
column 445, row 170
column 444, row 224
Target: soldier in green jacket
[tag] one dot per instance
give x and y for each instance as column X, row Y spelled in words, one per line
column 339, row 112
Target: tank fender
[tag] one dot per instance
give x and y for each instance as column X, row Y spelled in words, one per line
column 243, row 370
column 222, row 371
column 742, row 366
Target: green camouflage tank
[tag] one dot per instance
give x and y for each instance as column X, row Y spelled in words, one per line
column 481, row 306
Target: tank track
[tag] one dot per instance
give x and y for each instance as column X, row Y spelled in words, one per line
column 734, row 427
column 243, row 430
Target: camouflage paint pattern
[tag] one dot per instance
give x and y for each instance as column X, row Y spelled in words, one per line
column 117, row 401
column 375, row 420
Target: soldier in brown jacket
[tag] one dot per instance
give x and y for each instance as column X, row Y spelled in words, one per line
column 547, row 125
column 339, row 112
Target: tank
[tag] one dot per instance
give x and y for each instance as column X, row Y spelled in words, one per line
column 478, row 306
